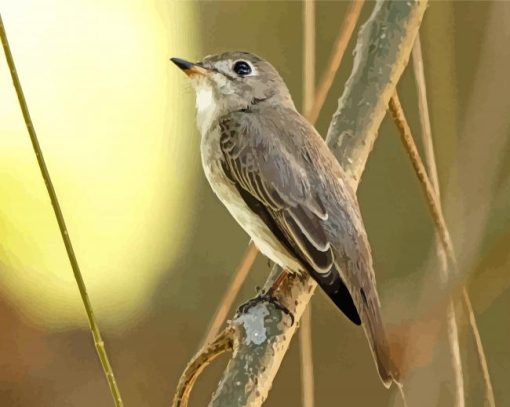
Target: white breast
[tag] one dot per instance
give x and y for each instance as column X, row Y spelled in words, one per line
column 206, row 107
column 228, row 195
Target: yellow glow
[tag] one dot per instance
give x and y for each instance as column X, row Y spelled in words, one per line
column 113, row 123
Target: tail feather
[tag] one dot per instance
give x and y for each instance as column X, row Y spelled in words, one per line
column 364, row 311
column 376, row 336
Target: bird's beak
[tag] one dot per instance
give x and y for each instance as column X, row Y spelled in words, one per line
column 189, row 68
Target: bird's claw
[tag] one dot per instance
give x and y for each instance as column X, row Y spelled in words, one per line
column 266, row 297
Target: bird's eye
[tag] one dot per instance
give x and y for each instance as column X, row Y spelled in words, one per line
column 242, row 68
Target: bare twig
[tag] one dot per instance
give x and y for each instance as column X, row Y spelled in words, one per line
column 306, row 355
column 337, row 54
column 94, row 328
column 430, row 195
column 444, row 250
column 221, row 344
column 402, row 394
column 308, row 54
column 385, row 41
column 423, row 107
column 430, row 160
column 240, row 275
column 305, row 332
column 489, row 391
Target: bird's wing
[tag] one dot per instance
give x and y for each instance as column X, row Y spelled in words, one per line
column 277, row 185
column 270, row 176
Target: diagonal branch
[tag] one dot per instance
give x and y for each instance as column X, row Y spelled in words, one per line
column 94, row 328
column 385, row 41
column 221, row 344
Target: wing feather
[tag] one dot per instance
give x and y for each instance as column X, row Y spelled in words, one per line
column 273, row 182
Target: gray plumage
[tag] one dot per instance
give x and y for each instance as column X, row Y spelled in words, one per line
column 280, row 181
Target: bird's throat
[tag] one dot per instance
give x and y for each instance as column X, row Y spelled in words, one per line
column 206, row 106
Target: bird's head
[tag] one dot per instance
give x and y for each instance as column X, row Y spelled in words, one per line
column 234, row 81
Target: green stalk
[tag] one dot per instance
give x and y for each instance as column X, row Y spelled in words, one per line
column 94, row 328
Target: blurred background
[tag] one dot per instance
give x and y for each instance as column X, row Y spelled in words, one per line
column 116, row 123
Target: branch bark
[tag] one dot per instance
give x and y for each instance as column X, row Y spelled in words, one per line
column 383, row 48
column 221, row 344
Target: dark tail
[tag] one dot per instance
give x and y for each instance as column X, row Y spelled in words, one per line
column 376, row 336
column 369, row 316
column 332, row 284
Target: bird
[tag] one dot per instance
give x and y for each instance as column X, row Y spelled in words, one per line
column 279, row 180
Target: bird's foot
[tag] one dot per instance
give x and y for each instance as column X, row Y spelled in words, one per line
column 266, row 297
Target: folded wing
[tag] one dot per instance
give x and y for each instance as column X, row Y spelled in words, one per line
column 275, row 187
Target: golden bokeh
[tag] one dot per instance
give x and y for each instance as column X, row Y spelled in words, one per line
column 107, row 110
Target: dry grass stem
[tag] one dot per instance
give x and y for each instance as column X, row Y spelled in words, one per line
column 423, row 107
column 233, row 289
column 406, row 136
column 426, row 131
column 306, row 356
column 94, row 328
column 444, row 250
column 210, row 351
column 335, row 60
column 489, row 390
column 308, row 53
column 402, row 394
column 430, row 161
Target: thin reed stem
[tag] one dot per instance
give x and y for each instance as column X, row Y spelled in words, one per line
column 430, row 160
column 240, row 275
column 94, row 328
column 430, row 194
column 335, row 59
column 306, row 357
column 423, row 107
column 402, row 394
column 443, row 237
column 489, row 390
